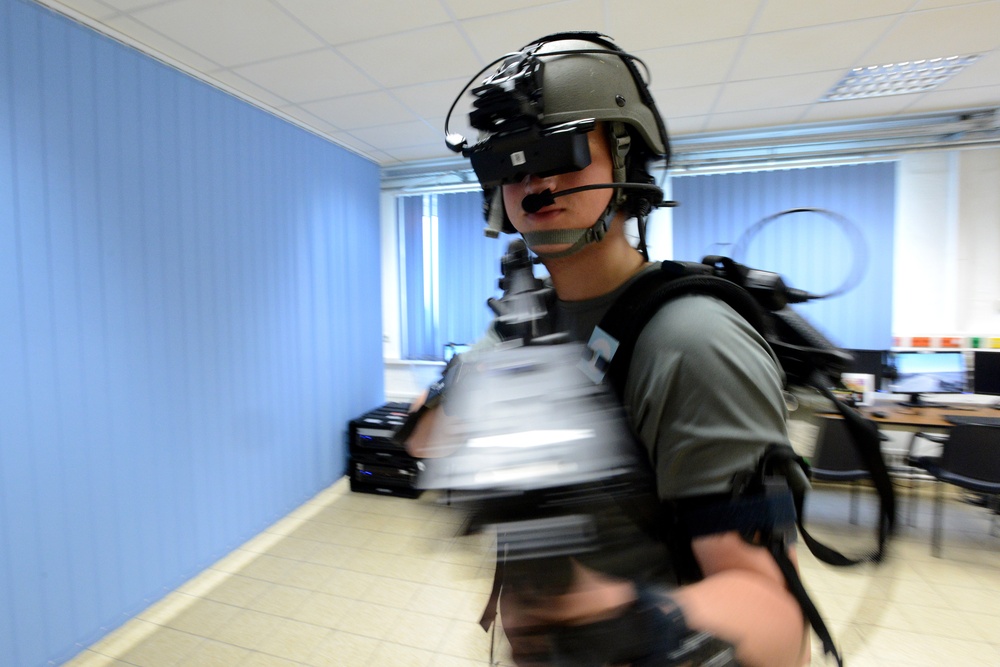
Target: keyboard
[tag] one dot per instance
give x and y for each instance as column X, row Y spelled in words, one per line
column 971, row 419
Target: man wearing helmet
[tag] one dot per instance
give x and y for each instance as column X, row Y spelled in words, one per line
column 703, row 392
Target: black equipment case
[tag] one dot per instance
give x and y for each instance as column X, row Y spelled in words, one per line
column 376, row 464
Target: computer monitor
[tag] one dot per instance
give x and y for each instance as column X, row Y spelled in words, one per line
column 986, row 372
column 870, row 362
column 928, row 372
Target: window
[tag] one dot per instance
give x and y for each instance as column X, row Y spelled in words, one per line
column 448, row 269
column 718, row 215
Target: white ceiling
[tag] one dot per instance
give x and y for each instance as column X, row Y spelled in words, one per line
column 378, row 76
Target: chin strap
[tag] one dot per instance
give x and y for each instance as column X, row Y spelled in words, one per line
column 578, row 237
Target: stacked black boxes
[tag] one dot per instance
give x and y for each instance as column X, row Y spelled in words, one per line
column 377, row 464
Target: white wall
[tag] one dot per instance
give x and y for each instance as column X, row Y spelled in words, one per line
column 946, row 272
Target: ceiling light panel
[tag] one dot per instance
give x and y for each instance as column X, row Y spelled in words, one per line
column 915, row 76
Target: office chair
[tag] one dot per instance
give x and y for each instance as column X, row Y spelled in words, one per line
column 970, row 459
column 835, row 459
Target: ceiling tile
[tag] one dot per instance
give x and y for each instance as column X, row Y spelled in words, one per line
column 639, row 24
column 356, row 20
column 230, row 32
column 365, row 110
column 833, row 47
column 432, row 100
column 351, row 142
column 392, row 69
column 684, row 125
column 964, row 98
column 465, row 9
column 727, row 122
column 941, row 32
column 94, row 9
column 983, row 72
column 435, row 151
column 493, row 36
column 262, row 95
column 935, row 4
column 158, row 43
column 400, row 135
column 696, row 100
column 794, row 90
column 691, row 64
column 787, row 14
column 871, row 107
column 131, row 5
column 418, row 56
column 307, row 76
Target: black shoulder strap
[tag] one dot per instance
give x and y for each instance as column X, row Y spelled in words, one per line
column 633, row 310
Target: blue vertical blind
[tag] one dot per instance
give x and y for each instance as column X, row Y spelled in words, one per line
column 719, row 215
column 188, row 320
column 449, row 269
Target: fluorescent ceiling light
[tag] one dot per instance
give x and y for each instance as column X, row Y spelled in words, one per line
column 916, row 76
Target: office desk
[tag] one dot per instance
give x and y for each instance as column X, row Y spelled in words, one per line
column 913, row 420
column 920, row 419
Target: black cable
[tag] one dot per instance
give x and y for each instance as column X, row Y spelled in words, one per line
column 856, row 239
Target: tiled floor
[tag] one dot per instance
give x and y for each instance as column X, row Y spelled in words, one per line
column 357, row 580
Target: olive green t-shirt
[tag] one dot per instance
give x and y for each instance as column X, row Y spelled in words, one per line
column 704, row 390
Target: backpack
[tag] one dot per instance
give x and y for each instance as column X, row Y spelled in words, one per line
column 806, row 357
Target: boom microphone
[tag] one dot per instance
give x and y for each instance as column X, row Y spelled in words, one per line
column 536, row 202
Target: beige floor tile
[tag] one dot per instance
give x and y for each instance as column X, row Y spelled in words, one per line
column 392, row 592
column 420, row 630
column 986, row 625
column 331, row 555
column 370, row 620
column 280, row 600
column 203, row 617
column 266, row 660
column 356, row 580
column 967, row 598
column 165, row 648
column 294, row 548
column 350, row 584
column 236, row 590
column 322, row 609
column 215, row 654
column 441, row 660
column 394, row 655
column 205, row 581
column 293, row 639
column 946, row 623
column 307, row 575
column 466, row 640
column 448, row 602
column 271, row 569
column 246, row 629
column 343, row 649
column 235, row 561
column 88, row 658
column 122, row 640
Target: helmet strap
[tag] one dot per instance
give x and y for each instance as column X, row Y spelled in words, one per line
column 495, row 217
column 620, row 142
column 578, row 237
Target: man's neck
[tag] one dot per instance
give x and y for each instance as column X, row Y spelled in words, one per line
column 597, row 269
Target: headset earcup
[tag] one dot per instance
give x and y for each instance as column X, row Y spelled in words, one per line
column 495, row 213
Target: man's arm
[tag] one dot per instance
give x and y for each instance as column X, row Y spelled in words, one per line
column 743, row 599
